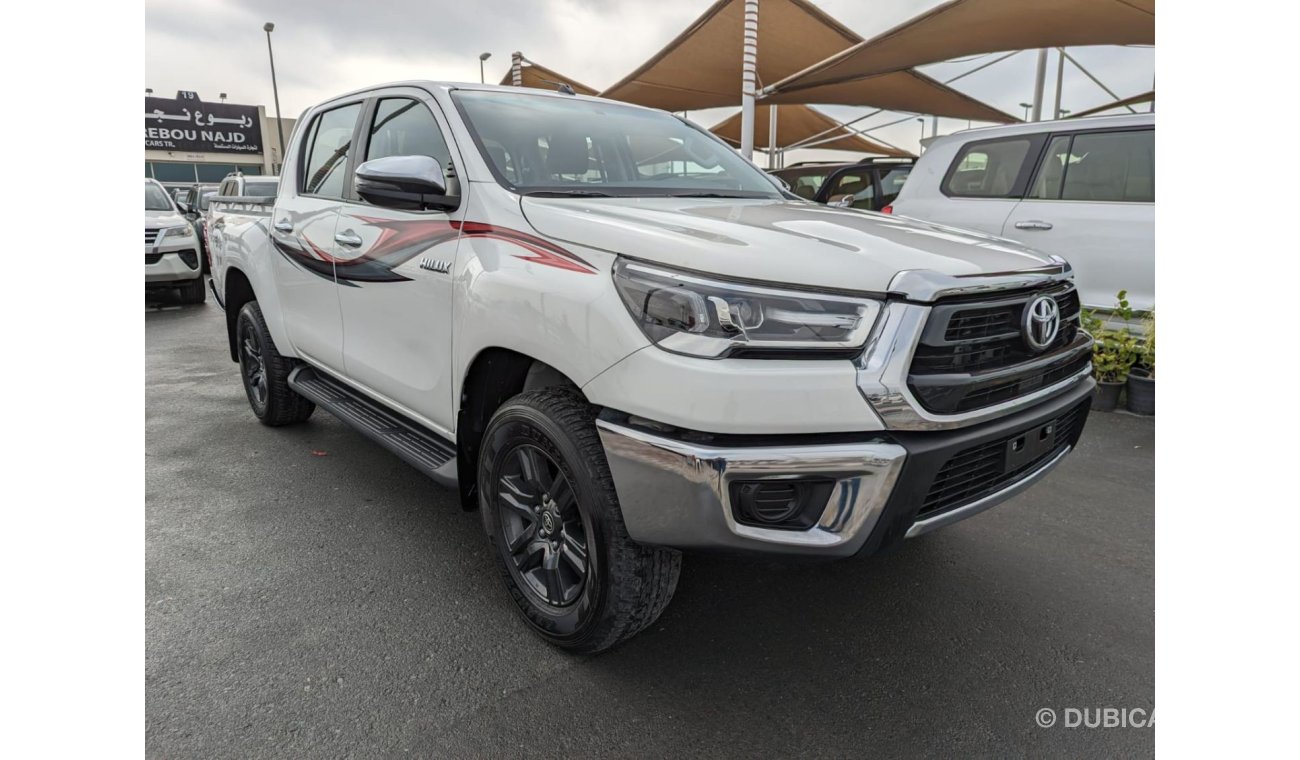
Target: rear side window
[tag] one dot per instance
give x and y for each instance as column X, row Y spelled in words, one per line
column 330, row 141
column 405, row 127
column 1113, row 167
column 988, row 169
column 891, row 183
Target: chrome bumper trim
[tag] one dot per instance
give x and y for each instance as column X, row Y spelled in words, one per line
column 992, row 500
column 675, row 493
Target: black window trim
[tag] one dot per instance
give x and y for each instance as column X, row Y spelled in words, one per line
column 1028, row 165
column 313, row 126
column 1072, row 134
column 362, row 142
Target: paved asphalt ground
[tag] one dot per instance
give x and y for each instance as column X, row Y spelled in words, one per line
column 309, row 595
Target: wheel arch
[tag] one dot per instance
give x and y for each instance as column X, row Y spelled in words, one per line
column 239, row 291
column 493, row 376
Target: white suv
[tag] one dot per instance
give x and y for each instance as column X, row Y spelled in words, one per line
column 1083, row 189
column 171, row 247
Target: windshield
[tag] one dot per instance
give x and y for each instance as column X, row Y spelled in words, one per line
column 255, row 187
column 155, row 198
column 559, row 146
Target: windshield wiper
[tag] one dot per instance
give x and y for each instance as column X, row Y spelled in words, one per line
column 568, row 194
column 706, row 194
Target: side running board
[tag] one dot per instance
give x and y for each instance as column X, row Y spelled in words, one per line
column 419, row 447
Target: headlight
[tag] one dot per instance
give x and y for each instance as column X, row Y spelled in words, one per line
column 695, row 315
column 179, row 231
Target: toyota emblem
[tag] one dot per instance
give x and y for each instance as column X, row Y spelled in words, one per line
column 1041, row 323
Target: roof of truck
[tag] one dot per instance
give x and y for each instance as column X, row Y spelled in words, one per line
column 430, row 85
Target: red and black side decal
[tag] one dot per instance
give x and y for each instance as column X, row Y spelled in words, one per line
column 541, row 251
column 401, row 240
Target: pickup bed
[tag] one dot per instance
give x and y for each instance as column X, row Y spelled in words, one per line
column 620, row 340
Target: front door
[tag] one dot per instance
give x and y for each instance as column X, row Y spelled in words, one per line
column 395, row 271
column 303, row 234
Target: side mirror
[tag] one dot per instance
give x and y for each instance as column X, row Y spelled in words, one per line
column 404, row 182
column 183, row 206
column 843, row 201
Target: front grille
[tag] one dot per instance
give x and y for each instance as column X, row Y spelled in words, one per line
column 152, row 258
column 978, row 471
column 972, row 353
column 150, row 236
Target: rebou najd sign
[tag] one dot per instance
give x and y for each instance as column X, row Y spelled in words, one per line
column 186, row 123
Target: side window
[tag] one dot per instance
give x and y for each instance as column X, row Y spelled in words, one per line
column 1051, row 172
column 405, row 127
column 858, row 184
column 324, row 169
column 987, row 169
column 1111, row 166
column 891, row 183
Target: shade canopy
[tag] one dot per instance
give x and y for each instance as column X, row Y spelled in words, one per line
column 909, row 91
column 968, row 27
column 796, row 123
column 701, row 68
column 1146, row 97
column 542, row 78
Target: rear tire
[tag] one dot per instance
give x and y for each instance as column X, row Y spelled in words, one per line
column 545, row 489
column 195, row 291
column 266, row 373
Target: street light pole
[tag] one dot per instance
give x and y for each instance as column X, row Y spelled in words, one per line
column 921, row 143
column 1026, row 106
column 481, row 58
column 268, row 27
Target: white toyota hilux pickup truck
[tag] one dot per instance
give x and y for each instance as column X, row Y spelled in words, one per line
column 620, row 340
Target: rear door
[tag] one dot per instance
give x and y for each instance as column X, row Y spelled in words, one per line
column 395, row 269
column 1092, row 201
column 302, row 233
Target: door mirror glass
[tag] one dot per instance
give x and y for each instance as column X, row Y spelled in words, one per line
column 844, row 201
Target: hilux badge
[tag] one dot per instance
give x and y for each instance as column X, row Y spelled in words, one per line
column 1041, row 323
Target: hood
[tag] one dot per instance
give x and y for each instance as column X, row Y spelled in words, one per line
column 775, row 240
column 166, row 218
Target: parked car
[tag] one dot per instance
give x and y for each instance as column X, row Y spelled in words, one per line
column 171, row 247
column 1083, row 189
column 613, row 365
column 193, row 202
column 870, row 184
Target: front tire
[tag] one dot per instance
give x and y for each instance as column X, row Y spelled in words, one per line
column 553, row 519
column 266, row 373
column 195, row 291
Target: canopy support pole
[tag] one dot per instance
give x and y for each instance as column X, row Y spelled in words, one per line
column 771, row 137
column 517, row 69
column 749, row 66
column 1040, row 79
column 1094, row 79
column 1060, row 77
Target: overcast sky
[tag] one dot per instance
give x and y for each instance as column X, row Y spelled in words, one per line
column 325, row 47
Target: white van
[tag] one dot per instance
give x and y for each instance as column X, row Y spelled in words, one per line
column 1083, row 189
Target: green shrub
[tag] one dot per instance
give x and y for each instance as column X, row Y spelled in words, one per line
column 1115, row 351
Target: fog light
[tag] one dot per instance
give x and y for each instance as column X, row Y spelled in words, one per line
column 190, row 258
column 784, row 504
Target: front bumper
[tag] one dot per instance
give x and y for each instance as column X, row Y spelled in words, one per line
column 674, row 489
column 162, row 267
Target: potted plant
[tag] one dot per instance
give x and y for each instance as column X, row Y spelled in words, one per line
column 1142, row 379
column 1113, row 355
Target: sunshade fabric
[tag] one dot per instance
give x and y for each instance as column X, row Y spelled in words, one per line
column 538, row 76
column 1145, row 97
column 907, row 91
column 701, row 68
column 967, row 27
column 795, row 123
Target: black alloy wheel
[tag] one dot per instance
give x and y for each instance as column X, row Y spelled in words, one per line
column 253, row 365
column 542, row 530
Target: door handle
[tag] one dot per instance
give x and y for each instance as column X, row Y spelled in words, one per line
column 284, row 225
column 1033, row 224
column 348, row 238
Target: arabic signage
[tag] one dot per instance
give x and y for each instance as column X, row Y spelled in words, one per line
column 187, row 123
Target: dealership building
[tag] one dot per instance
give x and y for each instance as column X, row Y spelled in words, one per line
column 189, row 140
